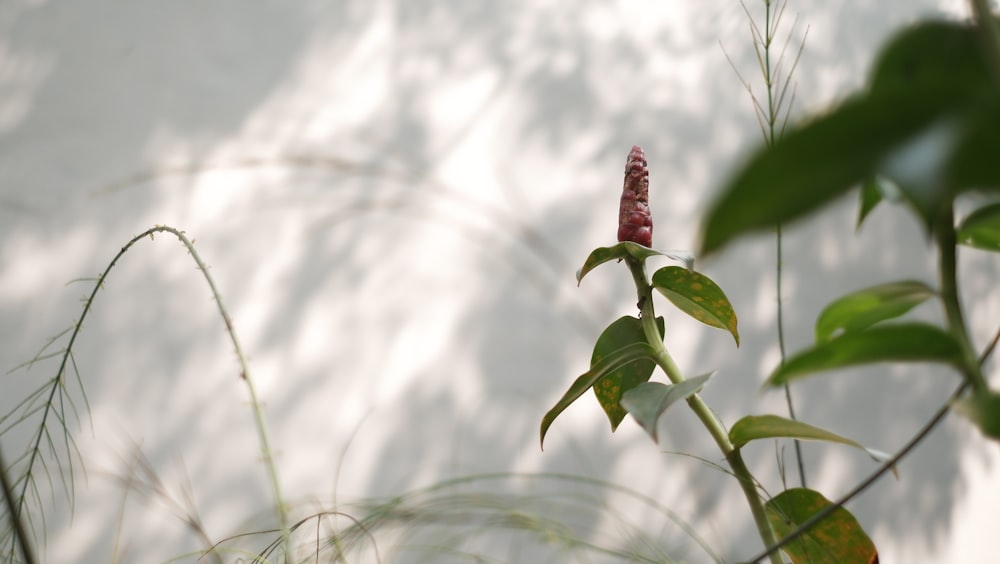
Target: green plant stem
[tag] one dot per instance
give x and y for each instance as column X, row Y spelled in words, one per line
column 708, row 417
column 770, row 138
column 944, row 233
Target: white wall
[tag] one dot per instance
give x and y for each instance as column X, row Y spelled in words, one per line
column 393, row 198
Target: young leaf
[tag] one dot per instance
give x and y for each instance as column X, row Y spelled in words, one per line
column 754, row 427
column 631, row 353
column 916, row 342
column 647, row 401
column 871, row 196
column 837, row 538
column 624, row 249
column 698, row 296
column 623, row 332
column 983, row 409
column 861, row 309
column 981, row 229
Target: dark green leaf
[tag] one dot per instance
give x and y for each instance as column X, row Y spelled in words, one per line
column 981, row 229
column 974, row 164
column 815, row 163
column 871, row 196
column 837, row 538
column 983, row 409
column 932, row 56
column 914, row 342
column 624, row 249
column 631, row 353
column 861, row 309
column 929, row 84
column 698, row 296
column 647, row 401
column 623, row 332
column 755, row 427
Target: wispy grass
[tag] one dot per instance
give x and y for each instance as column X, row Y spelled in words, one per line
column 466, row 519
column 56, row 411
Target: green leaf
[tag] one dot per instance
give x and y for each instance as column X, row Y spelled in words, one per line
column 837, row 538
column 631, row 353
column 929, row 85
column 815, row 163
column 624, row 249
column 698, row 296
column 931, row 56
column 871, row 196
column 983, row 409
column 647, row 401
column 916, row 342
column 861, row 309
column 974, row 162
column 755, row 427
column 981, row 229
column 623, row 332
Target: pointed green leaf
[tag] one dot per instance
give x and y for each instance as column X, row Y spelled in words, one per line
column 916, row 342
column 871, row 196
column 755, row 427
column 631, row 353
column 815, row 163
column 837, row 538
column 981, row 229
column 624, row 249
column 647, row 401
column 926, row 73
column 861, row 309
column 623, row 332
column 983, row 409
column 698, row 296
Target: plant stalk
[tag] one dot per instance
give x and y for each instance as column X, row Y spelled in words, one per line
column 704, row 413
column 944, row 234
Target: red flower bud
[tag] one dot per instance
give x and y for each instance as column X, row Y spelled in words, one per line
column 634, row 220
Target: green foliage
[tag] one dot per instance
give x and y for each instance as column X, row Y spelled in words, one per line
column 927, row 122
column 983, row 409
column 861, row 309
column 756, row 427
column 698, row 296
column 981, row 229
column 837, row 538
column 625, row 249
column 911, row 342
column 623, row 332
column 649, row 400
column 608, row 365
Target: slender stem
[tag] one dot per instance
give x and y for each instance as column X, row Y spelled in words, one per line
column 944, row 232
column 770, row 138
column 708, row 417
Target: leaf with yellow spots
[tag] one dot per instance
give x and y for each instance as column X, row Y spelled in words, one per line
column 609, row 391
column 698, row 296
column 606, row 366
column 837, row 538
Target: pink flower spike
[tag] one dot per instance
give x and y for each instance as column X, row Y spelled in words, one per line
column 635, row 223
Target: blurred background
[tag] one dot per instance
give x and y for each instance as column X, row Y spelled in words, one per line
column 393, row 198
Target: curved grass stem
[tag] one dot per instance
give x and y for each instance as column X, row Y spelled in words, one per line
column 51, row 407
